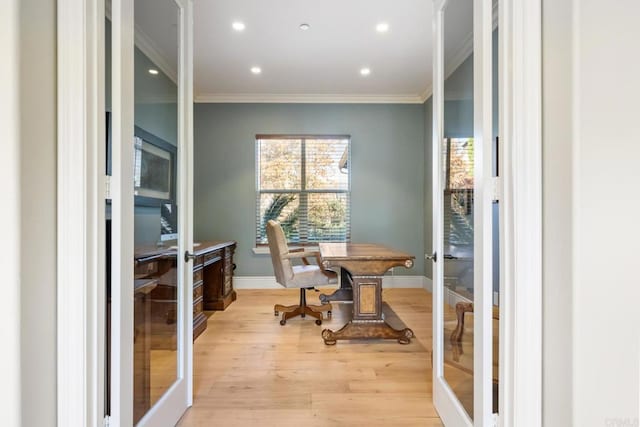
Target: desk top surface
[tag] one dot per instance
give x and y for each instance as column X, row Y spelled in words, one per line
column 361, row 251
column 150, row 252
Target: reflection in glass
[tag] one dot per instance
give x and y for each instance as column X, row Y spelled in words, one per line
column 156, row 210
column 458, row 201
column 495, row 235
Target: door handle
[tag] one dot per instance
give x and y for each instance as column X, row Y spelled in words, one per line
column 188, row 256
column 448, row 256
column 433, row 257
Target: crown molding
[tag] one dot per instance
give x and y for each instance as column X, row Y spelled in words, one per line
column 149, row 48
column 463, row 52
column 267, row 98
column 427, row 93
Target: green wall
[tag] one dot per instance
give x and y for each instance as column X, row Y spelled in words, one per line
column 156, row 112
column 387, row 181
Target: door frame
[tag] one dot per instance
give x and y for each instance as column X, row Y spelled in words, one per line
column 82, row 187
column 450, row 409
column 520, row 188
column 80, row 300
column 520, row 111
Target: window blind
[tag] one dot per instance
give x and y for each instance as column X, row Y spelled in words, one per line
column 458, row 193
column 304, row 183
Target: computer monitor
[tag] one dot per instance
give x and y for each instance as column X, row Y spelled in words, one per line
column 168, row 222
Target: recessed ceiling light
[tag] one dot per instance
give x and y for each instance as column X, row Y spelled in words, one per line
column 382, row 27
column 238, row 26
column 365, row 71
column 153, row 71
column 256, row 70
column 305, row 27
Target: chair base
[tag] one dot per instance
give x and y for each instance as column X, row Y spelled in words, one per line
column 302, row 310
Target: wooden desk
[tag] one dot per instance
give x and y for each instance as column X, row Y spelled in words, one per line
column 367, row 263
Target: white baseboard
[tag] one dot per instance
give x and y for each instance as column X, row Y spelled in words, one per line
column 452, row 297
column 407, row 282
column 255, row 282
column 269, row 282
column 428, row 284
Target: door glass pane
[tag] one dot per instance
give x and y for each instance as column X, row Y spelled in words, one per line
column 458, row 201
column 107, row 208
column 157, row 282
column 495, row 235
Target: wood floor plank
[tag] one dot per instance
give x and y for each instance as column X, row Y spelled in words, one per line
column 250, row 370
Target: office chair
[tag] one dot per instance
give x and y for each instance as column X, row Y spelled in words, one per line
column 304, row 276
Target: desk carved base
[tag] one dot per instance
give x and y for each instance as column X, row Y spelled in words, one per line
column 340, row 295
column 344, row 293
column 367, row 330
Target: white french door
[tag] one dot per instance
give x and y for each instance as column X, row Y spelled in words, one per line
column 149, row 49
column 463, row 143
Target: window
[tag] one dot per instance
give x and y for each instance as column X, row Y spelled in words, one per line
column 304, row 182
column 458, row 193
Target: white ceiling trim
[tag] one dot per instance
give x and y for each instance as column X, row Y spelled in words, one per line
column 427, row 93
column 465, row 49
column 463, row 53
column 148, row 47
column 309, row 99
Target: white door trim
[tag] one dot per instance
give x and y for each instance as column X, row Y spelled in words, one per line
column 483, row 211
column 449, row 407
column 171, row 406
column 80, row 257
column 520, row 24
column 447, row 403
column 10, row 370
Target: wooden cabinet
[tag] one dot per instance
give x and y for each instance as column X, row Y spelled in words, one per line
column 218, row 278
column 199, row 319
column 212, row 285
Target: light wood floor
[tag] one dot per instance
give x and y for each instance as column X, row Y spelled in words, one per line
column 250, row 370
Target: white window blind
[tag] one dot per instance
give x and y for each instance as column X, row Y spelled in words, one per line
column 304, row 183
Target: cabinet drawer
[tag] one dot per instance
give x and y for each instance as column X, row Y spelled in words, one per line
column 197, row 307
column 146, row 268
column 198, row 261
column 212, row 255
column 197, row 292
column 197, row 276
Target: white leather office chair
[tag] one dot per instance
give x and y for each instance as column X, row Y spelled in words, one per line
column 304, row 276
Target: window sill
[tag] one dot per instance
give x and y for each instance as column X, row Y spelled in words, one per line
column 264, row 250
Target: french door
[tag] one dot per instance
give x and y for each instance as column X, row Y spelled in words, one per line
column 465, row 294
column 148, row 99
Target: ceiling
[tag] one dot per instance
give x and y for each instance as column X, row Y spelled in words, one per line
column 320, row 64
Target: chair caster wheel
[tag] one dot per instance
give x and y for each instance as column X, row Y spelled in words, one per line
column 275, row 313
column 318, row 322
column 282, row 322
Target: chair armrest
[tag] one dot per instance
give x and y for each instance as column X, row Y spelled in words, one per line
column 300, row 253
